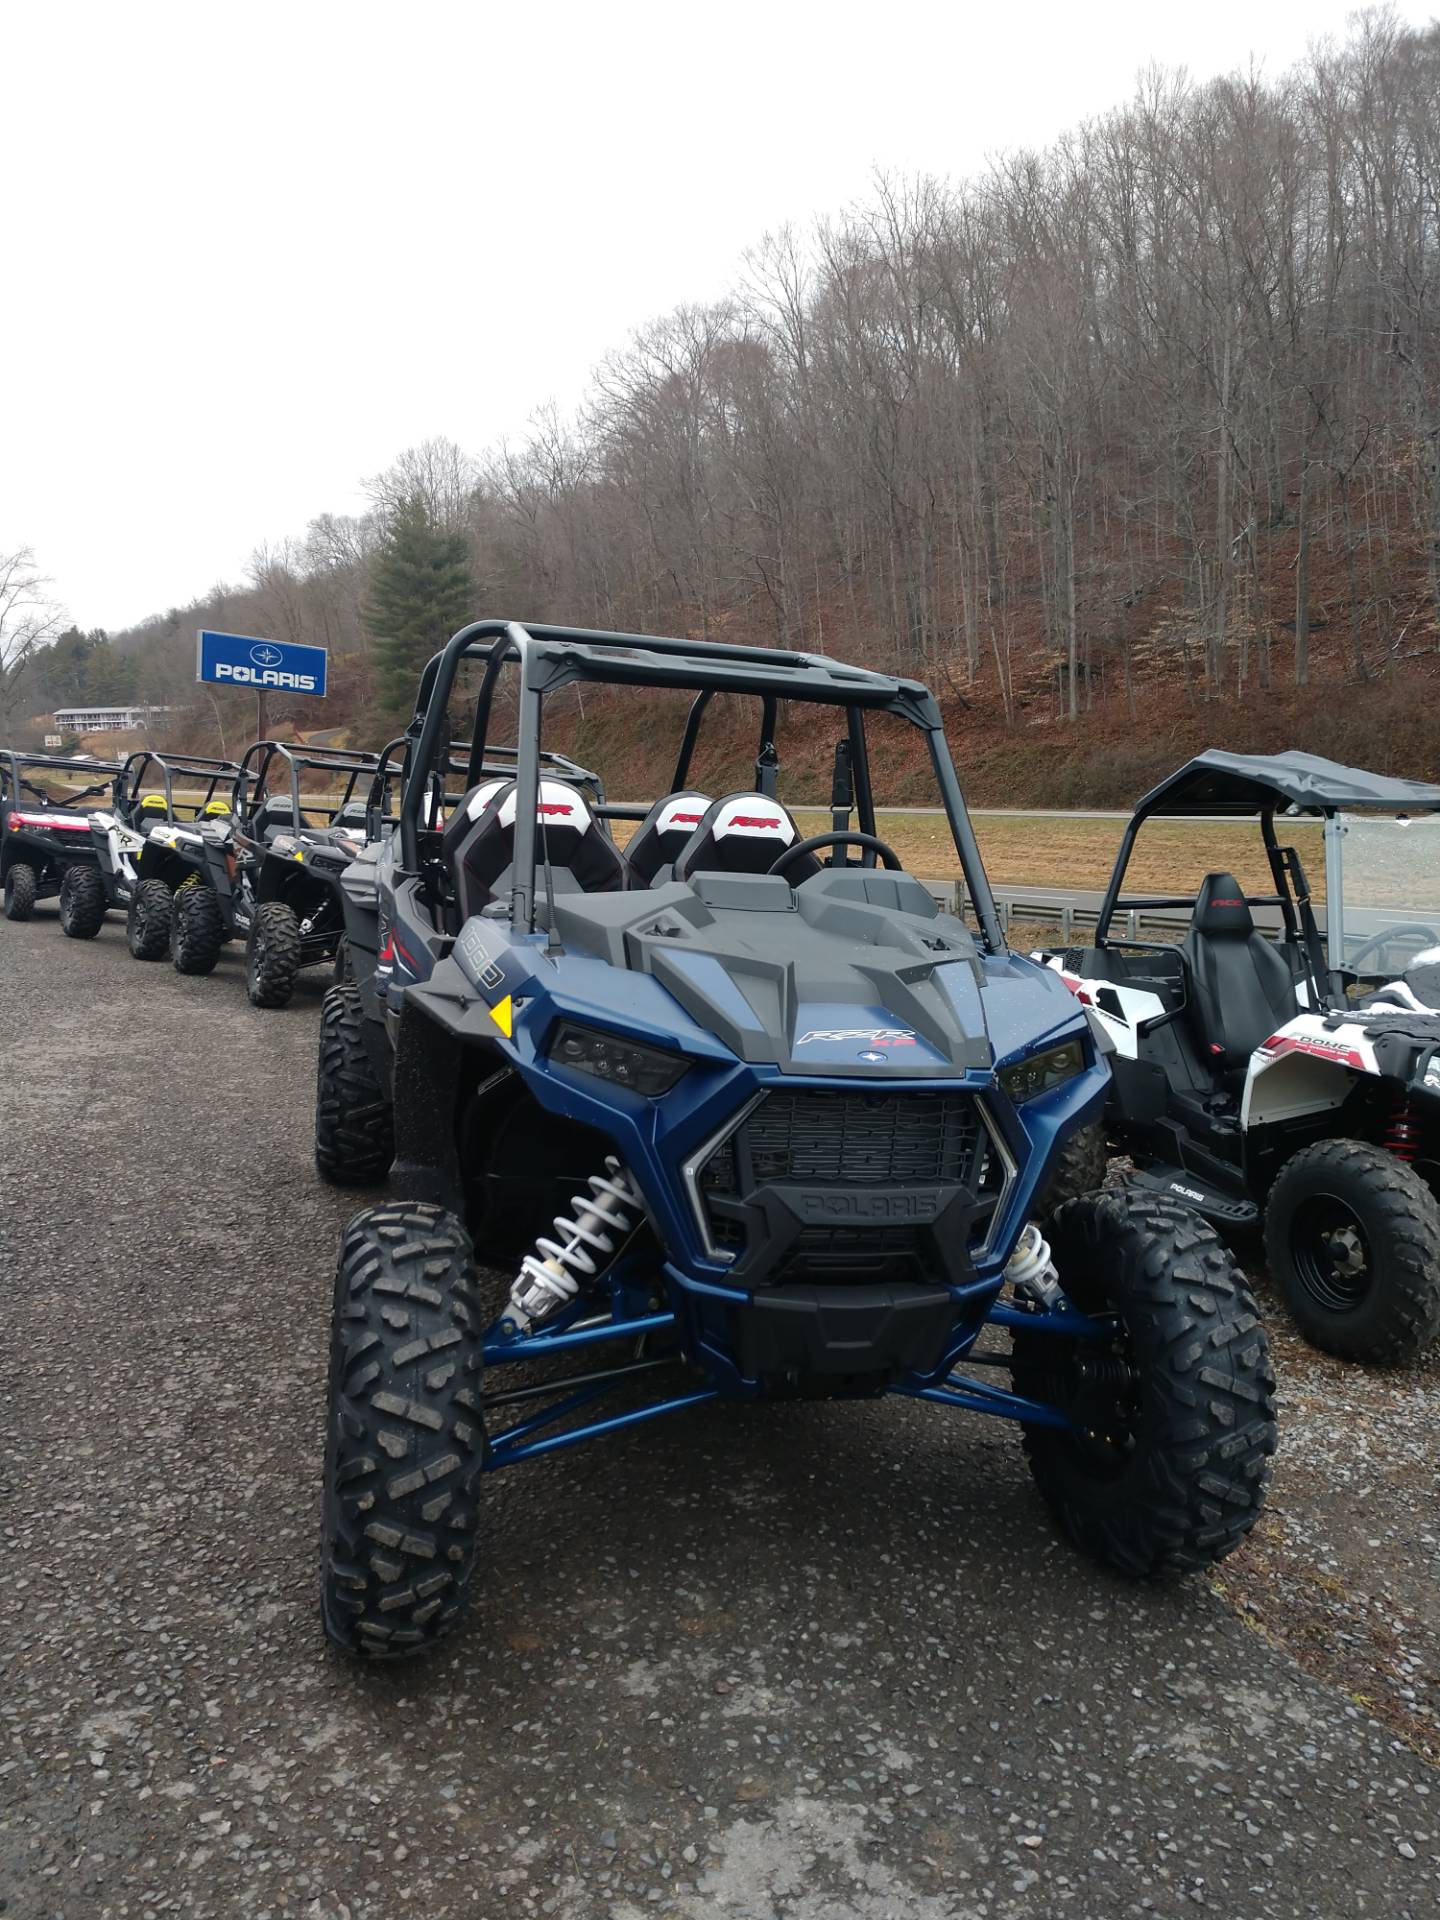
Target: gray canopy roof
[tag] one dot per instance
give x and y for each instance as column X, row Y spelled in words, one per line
column 1215, row 782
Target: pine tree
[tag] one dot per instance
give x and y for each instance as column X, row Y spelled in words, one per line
column 419, row 592
column 110, row 677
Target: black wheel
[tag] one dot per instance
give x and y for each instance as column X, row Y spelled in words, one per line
column 82, row 903
column 1174, row 1417
column 344, row 971
column 1353, row 1239
column 404, row 1442
column 147, row 920
column 21, row 887
column 272, row 955
column 1079, row 1168
column 197, row 928
column 354, row 1120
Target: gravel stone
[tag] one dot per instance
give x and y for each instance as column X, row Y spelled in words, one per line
column 706, row 1663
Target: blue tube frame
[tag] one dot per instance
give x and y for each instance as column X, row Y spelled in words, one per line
column 978, row 1396
column 518, row 1441
column 499, row 1347
column 514, row 1444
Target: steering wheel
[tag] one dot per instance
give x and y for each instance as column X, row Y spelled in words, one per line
column 818, row 840
column 1380, row 940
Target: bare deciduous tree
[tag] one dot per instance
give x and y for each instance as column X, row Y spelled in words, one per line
column 29, row 618
column 1154, row 400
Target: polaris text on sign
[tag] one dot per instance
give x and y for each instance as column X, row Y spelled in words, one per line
column 264, row 666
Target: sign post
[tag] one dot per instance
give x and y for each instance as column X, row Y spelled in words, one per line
column 266, row 666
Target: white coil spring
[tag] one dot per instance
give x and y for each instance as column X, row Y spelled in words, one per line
column 551, row 1276
column 1030, row 1270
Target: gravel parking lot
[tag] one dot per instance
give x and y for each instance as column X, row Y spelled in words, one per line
column 827, row 1663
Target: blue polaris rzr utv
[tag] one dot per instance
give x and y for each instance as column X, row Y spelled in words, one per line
column 729, row 1111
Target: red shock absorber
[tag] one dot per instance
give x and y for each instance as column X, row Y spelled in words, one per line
column 1402, row 1136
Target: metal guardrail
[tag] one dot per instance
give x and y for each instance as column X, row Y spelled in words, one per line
column 1076, row 911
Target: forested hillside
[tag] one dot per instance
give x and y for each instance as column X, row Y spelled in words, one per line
column 1128, row 445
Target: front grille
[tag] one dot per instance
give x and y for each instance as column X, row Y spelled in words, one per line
column 864, row 1140
column 861, row 1139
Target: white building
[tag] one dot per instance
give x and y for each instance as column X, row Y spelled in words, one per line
column 105, row 719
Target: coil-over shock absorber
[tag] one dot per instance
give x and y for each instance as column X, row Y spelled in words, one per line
column 1402, row 1133
column 592, row 1234
column 1030, row 1270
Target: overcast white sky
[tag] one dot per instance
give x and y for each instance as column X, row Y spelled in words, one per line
column 251, row 252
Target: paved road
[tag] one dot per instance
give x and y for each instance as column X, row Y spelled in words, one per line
column 823, row 1663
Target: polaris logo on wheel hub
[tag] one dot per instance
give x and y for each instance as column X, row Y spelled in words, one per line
column 277, row 666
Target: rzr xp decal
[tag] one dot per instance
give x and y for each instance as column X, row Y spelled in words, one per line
column 875, row 1036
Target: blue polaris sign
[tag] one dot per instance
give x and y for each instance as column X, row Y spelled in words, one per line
column 264, row 666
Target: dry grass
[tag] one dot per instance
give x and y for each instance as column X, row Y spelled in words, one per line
column 1171, row 856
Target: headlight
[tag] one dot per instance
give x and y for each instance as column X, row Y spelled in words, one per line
column 643, row 1069
column 1042, row 1071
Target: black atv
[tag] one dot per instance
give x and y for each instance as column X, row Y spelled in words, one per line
column 1292, row 1079
column 44, row 834
column 745, row 1114
column 144, row 798
column 294, row 860
column 174, row 857
column 211, row 866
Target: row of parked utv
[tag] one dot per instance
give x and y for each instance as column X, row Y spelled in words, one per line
column 706, row 1107
column 196, row 852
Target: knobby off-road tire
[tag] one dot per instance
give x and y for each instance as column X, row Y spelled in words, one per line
column 21, row 887
column 1079, row 1168
column 147, row 920
column 82, row 903
column 354, row 1120
column 405, row 1439
column 1179, row 1413
column 272, row 955
column 1352, row 1236
column 344, row 969
column 197, row 929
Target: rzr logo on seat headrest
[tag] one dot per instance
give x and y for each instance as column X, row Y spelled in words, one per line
column 751, row 820
column 554, row 806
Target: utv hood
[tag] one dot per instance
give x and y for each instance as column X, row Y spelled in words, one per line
column 855, row 971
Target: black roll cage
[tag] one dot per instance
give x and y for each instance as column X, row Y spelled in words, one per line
column 201, row 766
column 551, row 658
column 252, row 783
column 499, row 762
column 14, row 758
column 389, row 767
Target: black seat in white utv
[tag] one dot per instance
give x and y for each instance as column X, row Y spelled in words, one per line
column 1241, row 984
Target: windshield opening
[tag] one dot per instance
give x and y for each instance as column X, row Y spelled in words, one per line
column 1388, row 894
